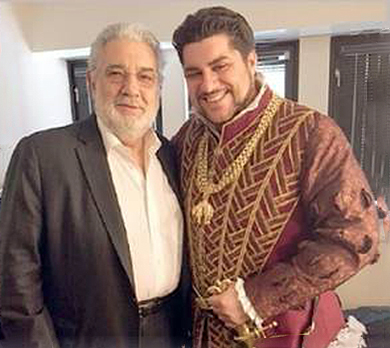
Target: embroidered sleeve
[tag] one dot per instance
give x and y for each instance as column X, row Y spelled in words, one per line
column 342, row 225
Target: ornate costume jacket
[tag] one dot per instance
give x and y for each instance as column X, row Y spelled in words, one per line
column 298, row 221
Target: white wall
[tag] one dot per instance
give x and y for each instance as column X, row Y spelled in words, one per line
column 371, row 286
column 34, row 88
column 71, row 24
column 49, row 94
column 13, row 56
column 314, row 61
column 174, row 94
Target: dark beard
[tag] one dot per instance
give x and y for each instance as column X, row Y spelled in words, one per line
column 250, row 96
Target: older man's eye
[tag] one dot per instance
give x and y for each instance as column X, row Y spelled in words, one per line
column 116, row 75
column 114, row 72
column 147, row 78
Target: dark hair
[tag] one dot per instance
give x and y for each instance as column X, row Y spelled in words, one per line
column 211, row 21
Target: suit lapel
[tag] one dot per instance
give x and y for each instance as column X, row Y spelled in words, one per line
column 92, row 156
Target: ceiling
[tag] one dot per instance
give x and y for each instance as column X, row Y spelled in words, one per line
column 172, row 1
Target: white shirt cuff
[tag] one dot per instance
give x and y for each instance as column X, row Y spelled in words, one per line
column 246, row 304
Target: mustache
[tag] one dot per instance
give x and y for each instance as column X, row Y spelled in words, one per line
column 127, row 102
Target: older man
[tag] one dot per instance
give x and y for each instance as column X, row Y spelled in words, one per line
column 91, row 228
column 278, row 210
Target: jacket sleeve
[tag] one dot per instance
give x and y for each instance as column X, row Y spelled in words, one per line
column 25, row 320
column 342, row 226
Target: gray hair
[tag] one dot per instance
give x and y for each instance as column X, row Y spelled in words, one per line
column 132, row 32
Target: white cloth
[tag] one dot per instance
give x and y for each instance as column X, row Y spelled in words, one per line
column 246, row 303
column 151, row 214
column 351, row 336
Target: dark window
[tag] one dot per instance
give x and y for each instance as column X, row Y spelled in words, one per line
column 359, row 101
column 278, row 61
column 81, row 102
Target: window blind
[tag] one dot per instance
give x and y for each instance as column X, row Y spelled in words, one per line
column 360, row 101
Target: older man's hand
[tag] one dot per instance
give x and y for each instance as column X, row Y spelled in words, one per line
column 228, row 307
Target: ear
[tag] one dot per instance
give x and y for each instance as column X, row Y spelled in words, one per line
column 251, row 60
column 91, row 86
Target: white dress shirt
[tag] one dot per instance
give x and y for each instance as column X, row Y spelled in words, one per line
column 151, row 214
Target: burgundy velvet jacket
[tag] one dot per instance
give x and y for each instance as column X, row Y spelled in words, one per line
column 298, row 221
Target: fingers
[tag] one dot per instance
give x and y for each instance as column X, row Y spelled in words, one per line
column 214, row 303
column 218, row 310
column 227, row 308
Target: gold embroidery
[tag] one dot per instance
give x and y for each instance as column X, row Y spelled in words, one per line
column 247, row 223
column 203, row 211
column 283, row 179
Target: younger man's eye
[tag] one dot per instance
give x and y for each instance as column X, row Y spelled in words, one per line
column 191, row 74
column 220, row 67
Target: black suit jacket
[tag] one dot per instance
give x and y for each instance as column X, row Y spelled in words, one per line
column 65, row 265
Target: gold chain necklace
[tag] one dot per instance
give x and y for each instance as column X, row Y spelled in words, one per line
column 203, row 211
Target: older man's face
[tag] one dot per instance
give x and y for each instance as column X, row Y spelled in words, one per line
column 125, row 88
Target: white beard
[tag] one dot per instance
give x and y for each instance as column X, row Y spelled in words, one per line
column 129, row 130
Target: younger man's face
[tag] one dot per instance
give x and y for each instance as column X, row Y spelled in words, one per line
column 220, row 81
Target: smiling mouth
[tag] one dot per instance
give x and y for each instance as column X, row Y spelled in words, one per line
column 214, row 97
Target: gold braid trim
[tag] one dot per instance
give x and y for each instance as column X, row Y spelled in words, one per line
column 203, row 211
column 265, row 183
column 215, row 248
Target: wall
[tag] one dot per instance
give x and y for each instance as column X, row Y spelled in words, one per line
column 174, row 94
column 314, row 60
column 62, row 25
column 34, row 88
column 13, row 56
column 371, row 285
